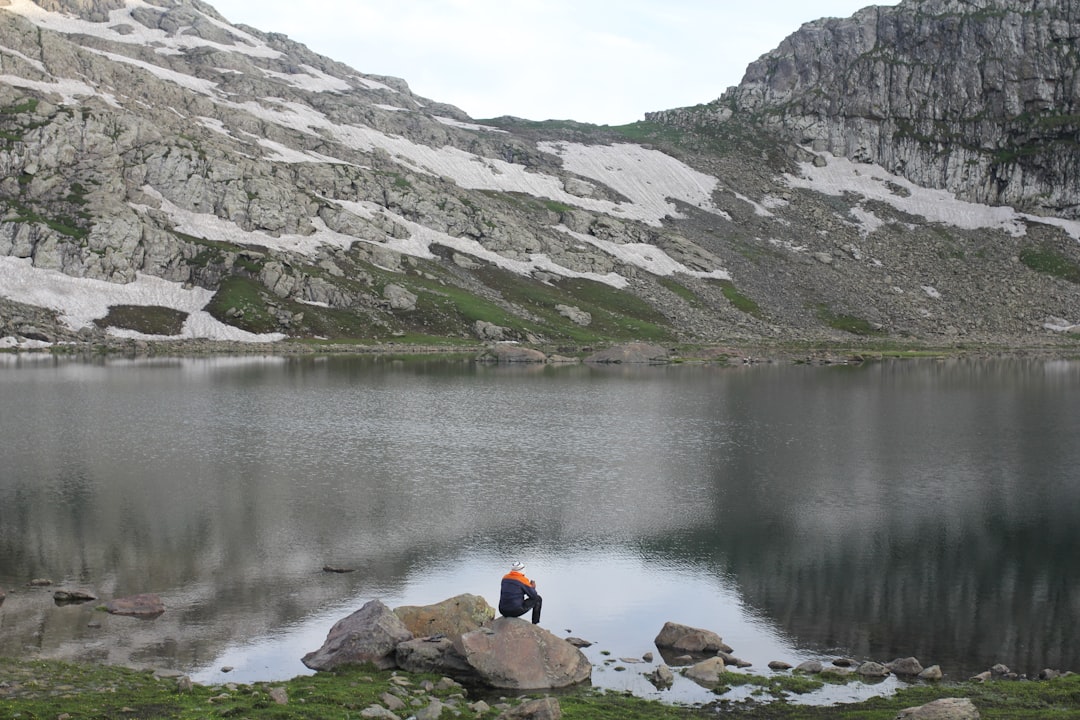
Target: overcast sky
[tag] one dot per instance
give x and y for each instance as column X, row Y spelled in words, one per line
column 593, row 61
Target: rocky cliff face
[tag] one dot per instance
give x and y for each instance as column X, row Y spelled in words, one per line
column 979, row 97
column 164, row 174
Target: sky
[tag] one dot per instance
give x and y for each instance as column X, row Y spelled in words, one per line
column 587, row 60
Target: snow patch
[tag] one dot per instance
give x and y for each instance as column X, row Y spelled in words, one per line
column 311, row 79
column 421, row 238
column 199, row 85
column 69, row 90
column 466, row 125
column 140, row 34
column 645, row 256
column 285, row 154
column 649, row 178
column 211, row 227
column 80, row 301
column 840, row 175
column 868, row 222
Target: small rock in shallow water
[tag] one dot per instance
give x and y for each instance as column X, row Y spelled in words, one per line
column 931, row 673
column 146, row 605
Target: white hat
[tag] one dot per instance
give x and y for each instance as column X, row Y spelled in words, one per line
column 518, row 566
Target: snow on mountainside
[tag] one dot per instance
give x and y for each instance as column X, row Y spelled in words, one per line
column 236, row 186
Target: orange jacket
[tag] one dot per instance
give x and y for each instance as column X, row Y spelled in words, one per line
column 515, row 587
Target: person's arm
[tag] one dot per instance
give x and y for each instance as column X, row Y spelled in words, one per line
column 530, row 589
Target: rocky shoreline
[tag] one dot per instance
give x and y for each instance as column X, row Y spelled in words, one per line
column 456, row 657
column 817, row 353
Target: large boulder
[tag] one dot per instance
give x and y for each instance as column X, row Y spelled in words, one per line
column 515, row 654
column 371, row 634
column 674, row 636
column 452, row 618
column 943, row 709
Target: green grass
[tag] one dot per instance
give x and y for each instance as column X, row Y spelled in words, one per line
column 247, row 296
column 1050, row 262
column 847, row 323
column 738, row 300
column 146, row 319
column 681, row 290
column 40, row 690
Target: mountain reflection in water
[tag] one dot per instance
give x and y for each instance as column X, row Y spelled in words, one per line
column 898, row 508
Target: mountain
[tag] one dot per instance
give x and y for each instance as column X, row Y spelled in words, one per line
column 168, row 175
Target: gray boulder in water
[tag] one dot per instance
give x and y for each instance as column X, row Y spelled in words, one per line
column 371, row 634
column 674, row 636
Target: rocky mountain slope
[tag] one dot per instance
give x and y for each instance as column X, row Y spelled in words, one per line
column 168, row 175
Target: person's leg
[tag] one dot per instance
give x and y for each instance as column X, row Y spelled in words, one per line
column 514, row 613
column 535, row 607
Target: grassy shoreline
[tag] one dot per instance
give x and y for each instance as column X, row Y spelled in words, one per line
column 39, row 689
column 734, row 352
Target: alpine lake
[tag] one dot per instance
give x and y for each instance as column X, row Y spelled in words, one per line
column 923, row 508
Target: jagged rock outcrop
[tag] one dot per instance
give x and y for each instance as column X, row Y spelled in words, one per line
column 980, row 97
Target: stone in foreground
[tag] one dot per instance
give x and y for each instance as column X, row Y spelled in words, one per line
column 944, row 709
column 370, row 634
column 515, row 654
column 543, row 709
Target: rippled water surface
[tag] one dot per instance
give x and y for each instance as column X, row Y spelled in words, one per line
column 921, row 508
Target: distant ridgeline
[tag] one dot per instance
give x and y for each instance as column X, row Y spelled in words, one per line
column 908, row 175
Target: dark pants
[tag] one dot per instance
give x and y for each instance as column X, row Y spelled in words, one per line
column 526, row 606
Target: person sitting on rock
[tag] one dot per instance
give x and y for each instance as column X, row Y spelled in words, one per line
column 519, row 595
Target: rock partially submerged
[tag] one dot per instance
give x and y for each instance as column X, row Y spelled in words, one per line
column 637, row 353
column 63, row 597
column 674, row 636
column 144, row 605
column 371, row 634
column 707, row 673
column 515, row 654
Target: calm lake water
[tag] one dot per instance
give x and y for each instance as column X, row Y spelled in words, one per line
column 925, row 508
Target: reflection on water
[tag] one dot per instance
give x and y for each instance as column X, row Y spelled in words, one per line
column 909, row 508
